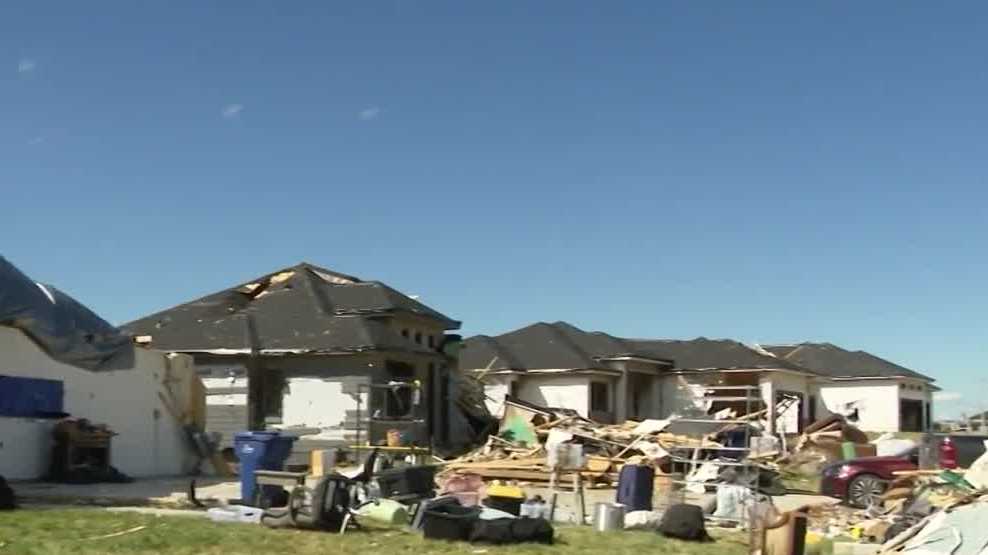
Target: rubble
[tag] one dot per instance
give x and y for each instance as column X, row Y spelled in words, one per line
column 519, row 452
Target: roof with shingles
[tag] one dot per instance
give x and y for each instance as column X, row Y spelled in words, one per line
column 561, row 345
column 302, row 308
column 836, row 362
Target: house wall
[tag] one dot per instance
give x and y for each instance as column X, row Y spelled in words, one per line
column 413, row 326
column 317, row 389
column 644, row 380
column 150, row 441
column 676, row 398
column 877, row 402
column 562, row 391
column 771, row 383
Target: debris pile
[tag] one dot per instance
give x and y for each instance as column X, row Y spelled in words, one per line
column 922, row 512
column 825, row 442
column 520, row 450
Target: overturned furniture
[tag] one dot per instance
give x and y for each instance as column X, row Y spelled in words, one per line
column 81, row 453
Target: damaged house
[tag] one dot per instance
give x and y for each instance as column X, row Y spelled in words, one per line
column 877, row 395
column 59, row 359
column 312, row 348
column 559, row 365
column 611, row 379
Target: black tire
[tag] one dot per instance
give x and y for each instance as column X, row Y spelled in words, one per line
column 865, row 490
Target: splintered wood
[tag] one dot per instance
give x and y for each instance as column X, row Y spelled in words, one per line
column 607, row 449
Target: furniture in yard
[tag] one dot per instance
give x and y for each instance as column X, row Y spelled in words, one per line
column 393, row 456
column 80, row 448
column 331, row 505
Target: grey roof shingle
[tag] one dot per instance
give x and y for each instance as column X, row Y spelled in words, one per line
column 305, row 308
column 563, row 346
column 715, row 354
column 830, row 360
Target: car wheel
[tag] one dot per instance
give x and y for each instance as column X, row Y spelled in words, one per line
column 865, row 490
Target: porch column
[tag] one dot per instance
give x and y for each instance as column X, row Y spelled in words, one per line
column 656, row 408
column 621, row 398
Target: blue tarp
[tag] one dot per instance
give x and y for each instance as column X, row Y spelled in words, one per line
column 65, row 329
column 30, row 397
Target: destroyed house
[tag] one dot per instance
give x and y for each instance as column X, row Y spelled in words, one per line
column 612, row 379
column 874, row 393
column 306, row 347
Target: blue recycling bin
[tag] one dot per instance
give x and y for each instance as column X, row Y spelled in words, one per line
column 260, row 451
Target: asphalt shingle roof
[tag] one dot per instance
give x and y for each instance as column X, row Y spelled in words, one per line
column 561, row 345
column 835, row 362
column 304, row 308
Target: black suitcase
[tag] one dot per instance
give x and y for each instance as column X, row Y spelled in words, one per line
column 506, row 531
column 684, row 522
column 409, row 480
column 8, row 501
column 449, row 522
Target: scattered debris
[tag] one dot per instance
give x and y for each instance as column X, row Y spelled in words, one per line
column 117, row 534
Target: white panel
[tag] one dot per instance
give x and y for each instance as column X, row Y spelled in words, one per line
column 496, row 388
column 318, row 402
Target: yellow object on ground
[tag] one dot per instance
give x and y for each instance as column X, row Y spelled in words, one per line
column 511, row 492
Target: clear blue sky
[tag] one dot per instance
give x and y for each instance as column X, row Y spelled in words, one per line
column 762, row 171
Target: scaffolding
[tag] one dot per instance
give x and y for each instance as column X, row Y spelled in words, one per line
column 409, row 420
column 747, row 472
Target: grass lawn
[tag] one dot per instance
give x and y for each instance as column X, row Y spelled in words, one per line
column 56, row 532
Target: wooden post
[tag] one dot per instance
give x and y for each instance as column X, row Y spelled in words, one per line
column 553, row 483
column 580, row 500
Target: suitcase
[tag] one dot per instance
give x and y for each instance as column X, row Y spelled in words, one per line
column 635, row 485
column 449, row 522
column 506, row 531
column 684, row 522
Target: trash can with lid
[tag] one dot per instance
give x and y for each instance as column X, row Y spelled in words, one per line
column 260, row 451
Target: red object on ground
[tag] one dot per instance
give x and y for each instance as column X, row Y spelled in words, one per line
column 948, row 454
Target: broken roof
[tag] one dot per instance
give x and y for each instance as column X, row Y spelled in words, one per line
column 715, row 354
column 561, row 345
column 835, row 362
column 304, row 308
column 64, row 328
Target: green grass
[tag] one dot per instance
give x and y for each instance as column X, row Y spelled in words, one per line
column 57, row 532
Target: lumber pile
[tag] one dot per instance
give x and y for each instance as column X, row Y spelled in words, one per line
column 606, row 448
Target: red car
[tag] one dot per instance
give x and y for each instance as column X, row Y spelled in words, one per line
column 860, row 482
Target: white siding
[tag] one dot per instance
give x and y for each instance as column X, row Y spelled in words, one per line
column 150, row 441
column 877, row 402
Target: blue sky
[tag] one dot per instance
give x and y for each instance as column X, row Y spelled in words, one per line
column 762, row 171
